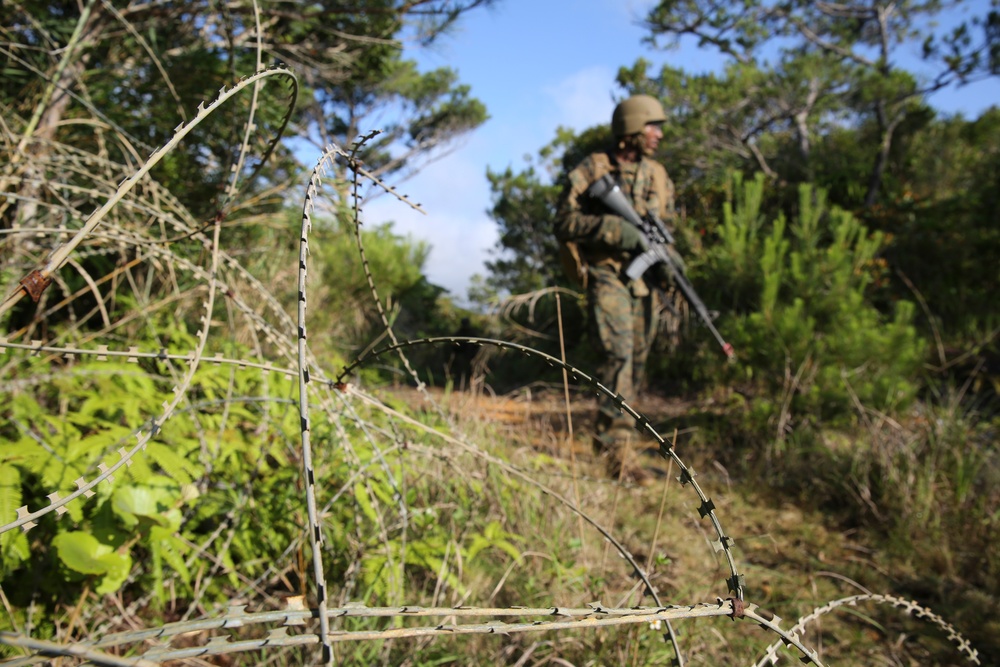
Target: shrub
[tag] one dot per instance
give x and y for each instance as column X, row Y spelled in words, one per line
column 812, row 347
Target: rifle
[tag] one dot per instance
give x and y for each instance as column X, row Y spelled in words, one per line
column 658, row 237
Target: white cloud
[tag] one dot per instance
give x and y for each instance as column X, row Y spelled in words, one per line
column 458, row 255
column 455, row 195
column 583, row 99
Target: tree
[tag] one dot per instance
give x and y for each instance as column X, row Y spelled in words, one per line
column 524, row 208
column 433, row 111
column 92, row 88
column 126, row 76
column 526, row 254
column 833, row 59
column 739, row 120
column 361, row 83
column 945, row 235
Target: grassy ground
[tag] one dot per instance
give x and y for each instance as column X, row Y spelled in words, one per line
column 484, row 518
column 795, row 555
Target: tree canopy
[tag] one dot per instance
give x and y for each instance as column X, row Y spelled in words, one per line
column 124, row 71
column 803, row 65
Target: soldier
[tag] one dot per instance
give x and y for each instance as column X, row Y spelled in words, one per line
column 622, row 313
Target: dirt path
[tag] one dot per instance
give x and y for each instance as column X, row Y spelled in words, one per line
column 541, row 417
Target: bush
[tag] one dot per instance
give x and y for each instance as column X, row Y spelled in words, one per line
column 812, row 347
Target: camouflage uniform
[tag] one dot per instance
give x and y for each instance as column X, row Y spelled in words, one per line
column 623, row 316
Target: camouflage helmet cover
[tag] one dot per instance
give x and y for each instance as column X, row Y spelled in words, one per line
column 633, row 114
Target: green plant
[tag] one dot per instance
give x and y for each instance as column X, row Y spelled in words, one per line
column 809, row 340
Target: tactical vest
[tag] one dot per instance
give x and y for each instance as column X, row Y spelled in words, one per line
column 571, row 256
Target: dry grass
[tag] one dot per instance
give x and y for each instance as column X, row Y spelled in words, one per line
column 794, row 558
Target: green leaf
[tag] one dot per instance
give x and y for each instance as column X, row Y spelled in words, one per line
column 13, row 543
column 10, row 493
column 81, row 552
column 493, row 536
column 156, row 503
column 172, row 462
column 364, row 501
column 172, row 549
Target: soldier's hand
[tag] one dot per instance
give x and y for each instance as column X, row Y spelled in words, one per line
column 633, row 240
column 617, row 232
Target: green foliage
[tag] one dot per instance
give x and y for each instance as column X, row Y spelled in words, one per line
column 494, row 537
column 943, row 230
column 81, row 552
column 796, row 68
column 342, row 305
column 14, row 547
column 524, row 209
column 72, row 422
column 135, row 73
column 396, row 264
column 802, row 324
column 213, row 501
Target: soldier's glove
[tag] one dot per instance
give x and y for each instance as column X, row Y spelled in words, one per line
column 616, row 232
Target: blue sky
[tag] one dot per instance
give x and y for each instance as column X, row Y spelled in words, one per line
column 538, row 65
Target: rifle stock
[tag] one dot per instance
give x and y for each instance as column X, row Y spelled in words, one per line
column 607, row 191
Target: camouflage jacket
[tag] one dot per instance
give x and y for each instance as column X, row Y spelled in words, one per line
column 579, row 217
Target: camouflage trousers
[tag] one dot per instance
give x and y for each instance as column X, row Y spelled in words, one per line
column 622, row 327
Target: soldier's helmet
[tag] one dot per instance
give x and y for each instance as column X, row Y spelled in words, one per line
column 631, row 115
